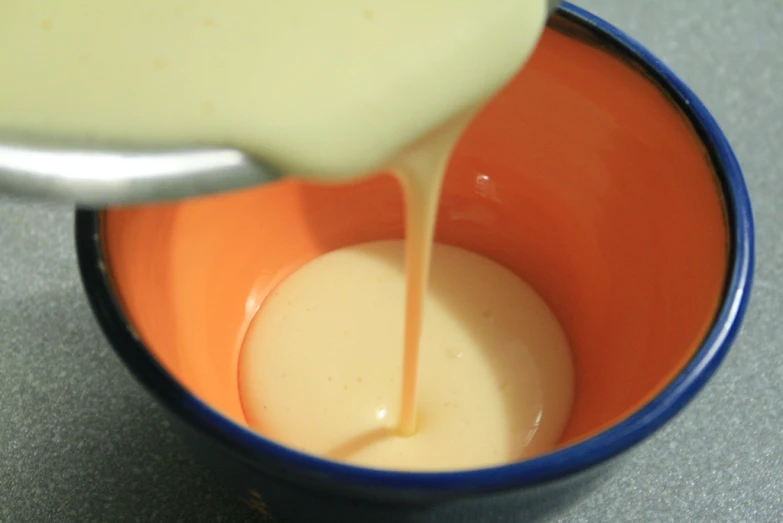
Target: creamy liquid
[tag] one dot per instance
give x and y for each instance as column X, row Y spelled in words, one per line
column 320, row 369
column 420, row 170
column 322, row 89
column 328, row 93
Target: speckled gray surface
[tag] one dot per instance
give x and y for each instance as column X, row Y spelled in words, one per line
column 80, row 441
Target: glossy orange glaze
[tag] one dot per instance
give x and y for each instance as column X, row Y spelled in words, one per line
column 580, row 176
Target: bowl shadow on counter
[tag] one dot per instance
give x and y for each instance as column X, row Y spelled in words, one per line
column 94, row 446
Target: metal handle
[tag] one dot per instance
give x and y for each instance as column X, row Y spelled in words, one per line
column 100, row 176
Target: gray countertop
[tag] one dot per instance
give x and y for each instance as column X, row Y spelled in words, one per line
column 80, row 441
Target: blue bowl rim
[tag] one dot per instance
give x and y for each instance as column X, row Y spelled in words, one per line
column 291, row 465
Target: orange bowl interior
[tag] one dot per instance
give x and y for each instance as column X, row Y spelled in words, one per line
column 581, row 176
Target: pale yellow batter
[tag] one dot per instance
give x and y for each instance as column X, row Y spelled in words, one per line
column 320, row 368
column 321, row 88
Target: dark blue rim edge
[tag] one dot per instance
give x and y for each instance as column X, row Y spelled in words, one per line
column 301, row 468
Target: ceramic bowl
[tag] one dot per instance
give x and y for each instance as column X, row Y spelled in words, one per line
column 596, row 175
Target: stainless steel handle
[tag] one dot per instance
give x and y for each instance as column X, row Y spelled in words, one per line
column 100, row 176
